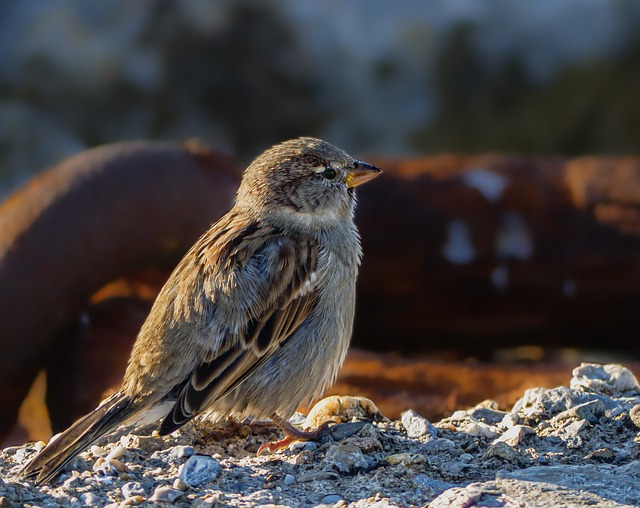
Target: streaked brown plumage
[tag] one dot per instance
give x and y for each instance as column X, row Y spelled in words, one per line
column 256, row 318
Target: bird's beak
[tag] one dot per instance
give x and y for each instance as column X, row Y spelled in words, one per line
column 362, row 173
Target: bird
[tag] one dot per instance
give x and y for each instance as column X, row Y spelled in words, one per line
column 256, row 318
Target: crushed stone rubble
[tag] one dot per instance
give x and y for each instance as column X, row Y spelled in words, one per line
column 564, row 446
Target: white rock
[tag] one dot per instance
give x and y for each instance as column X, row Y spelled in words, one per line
column 610, row 379
column 199, row 469
column 514, row 435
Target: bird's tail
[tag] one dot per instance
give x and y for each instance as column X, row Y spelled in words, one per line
column 102, row 420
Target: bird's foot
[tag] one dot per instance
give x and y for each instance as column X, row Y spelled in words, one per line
column 293, row 435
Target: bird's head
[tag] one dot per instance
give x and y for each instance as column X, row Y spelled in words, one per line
column 305, row 180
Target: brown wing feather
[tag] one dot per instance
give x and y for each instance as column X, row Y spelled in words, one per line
column 212, row 380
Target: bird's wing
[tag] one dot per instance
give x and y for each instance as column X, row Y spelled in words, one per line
column 279, row 272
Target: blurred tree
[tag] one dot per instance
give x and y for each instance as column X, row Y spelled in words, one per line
column 593, row 108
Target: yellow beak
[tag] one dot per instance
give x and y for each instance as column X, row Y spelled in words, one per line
column 362, row 173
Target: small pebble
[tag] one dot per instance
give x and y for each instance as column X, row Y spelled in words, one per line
column 199, row 469
column 148, row 444
column 501, row 450
column 589, row 411
column 165, row 494
column 443, row 445
column 117, row 452
column 104, row 467
column 303, row 445
column 331, row 499
column 346, row 458
column 130, row 501
column 181, row 451
column 73, row 481
column 179, row 484
column 289, row 479
column 13, row 449
column 98, row 451
column 132, row 489
column 486, row 415
column 417, row 426
column 317, row 476
column 366, row 444
column 304, row 457
column 572, row 429
column 634, row 414
column 405, row 459
column 515, row 435
column 436, row 486
column 119, row 465
column 205, row 502
column 459, row 415
column 90, row 499
column 601, row 455
column 475, row 429
column 509, row 420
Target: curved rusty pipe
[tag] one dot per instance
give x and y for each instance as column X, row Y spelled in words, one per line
column 96, row 216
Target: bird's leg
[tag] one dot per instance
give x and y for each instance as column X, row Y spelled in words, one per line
column 292, row 433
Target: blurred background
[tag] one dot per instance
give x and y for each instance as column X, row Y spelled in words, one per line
column 381, row 78
column 503, row 263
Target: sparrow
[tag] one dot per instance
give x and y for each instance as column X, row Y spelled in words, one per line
column 256, row 318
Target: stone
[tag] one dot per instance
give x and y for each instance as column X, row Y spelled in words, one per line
column 542, row 403
column 317, row 476
column 509, row 493
column 615, row 483
column 443, row 445
column 331, row 499
column 165, row 494
column 426, row 482
column 478, row 429
column 509, row 420
column 515, row 435
column 181, row 451
column 205, row 502
column 417, row 426
column 147, row 444
column 342, row 431
column 502, row 450
column 346, row 458
column 131, row 489
column 199, row 469
column 117, row 452
column 601, row 455
column 5, row 502
column 634, row 414
column 406, row 459
column 590, row 411
column 487, row 415
column 458, row 497
column 610, row 379
column 341, row 409
column 90, row 499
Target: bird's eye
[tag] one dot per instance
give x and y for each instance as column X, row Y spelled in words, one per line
column 329, row 173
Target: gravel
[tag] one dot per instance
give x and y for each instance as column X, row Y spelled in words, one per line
column 565, row 446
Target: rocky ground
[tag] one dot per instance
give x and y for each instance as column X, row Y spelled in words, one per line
column 566, row 446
